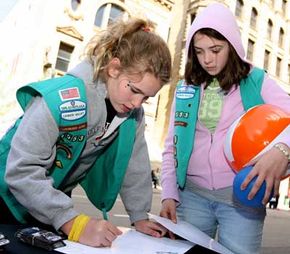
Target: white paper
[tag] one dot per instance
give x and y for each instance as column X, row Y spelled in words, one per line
column 132, row 242
column 191, row 233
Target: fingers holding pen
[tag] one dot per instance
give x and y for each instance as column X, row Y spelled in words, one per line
column 99, row 233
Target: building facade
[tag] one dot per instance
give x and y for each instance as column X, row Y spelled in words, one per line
column 43, row 39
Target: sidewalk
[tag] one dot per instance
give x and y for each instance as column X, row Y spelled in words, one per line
column 276, row 237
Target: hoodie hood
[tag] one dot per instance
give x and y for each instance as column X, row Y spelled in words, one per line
column 220, row 18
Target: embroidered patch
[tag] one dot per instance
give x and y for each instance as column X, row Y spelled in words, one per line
column 72, row 105
column 73, row 138
column 66, row 149
column 69, row 94
column 180, row 123
column 181, row 114
column 72, row 110
column 185, row 92
column 73, row 128
column 73, row 115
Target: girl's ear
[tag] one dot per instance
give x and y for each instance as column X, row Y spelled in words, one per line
column 114, row 67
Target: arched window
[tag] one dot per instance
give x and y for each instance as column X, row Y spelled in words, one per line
column 269, row 29
column 281, row 37
column 75, row 4
column 250, row 51
column 108, row 13
column 254, row 15
column 266, row 59
column 289, row 73
column 284, row 7
column 278, row 67
column 239, row 8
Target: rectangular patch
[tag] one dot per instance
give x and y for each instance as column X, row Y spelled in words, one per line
column 73, row 128
column 69, row 94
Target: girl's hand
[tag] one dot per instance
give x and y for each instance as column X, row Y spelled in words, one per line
column 97, row 233
column 168, row 210
column 150, row 228
column 271, row 167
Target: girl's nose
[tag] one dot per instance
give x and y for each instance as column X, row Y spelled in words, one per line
column 137, row 100
column 207, row 57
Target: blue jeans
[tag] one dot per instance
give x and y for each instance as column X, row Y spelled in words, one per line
column 236, row 228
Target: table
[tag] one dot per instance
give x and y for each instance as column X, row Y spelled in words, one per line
column 15, row 246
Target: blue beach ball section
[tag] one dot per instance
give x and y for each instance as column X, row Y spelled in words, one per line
column 242, row 195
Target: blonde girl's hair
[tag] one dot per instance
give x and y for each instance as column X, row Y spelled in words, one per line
column 138, row 47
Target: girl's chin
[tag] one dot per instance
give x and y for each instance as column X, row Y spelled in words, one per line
column 123, row 109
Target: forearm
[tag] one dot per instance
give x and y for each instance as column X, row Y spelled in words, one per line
column 168, row 171
column 136, row 191
column 32, row 154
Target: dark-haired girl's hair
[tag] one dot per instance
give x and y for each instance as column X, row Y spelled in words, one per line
column 234, row 71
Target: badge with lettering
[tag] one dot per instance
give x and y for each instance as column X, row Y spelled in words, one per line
column 73, row 110
column 185, row 92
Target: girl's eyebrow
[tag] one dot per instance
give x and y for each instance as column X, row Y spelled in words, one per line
column 130, row 83
column 139, row 91
column 211, row 47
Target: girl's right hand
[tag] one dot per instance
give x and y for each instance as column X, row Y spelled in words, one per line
column 168, row 210
column 99, row 233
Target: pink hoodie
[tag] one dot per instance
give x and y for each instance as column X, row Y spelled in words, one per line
column 208, row 167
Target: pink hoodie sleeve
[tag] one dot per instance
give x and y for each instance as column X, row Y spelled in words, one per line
column 168, row 175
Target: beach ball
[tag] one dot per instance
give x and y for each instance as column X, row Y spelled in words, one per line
column 254, row 133
column 242, row 195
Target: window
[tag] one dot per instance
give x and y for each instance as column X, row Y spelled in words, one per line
column 99, row 16
column 192, row 17
column 63, row 57
column 278, row 66
column 107, row 13
column 266, row 59
column 75, row 4
column 284, row 7
column 116, row 12
column 253, row 21
column 239, row 8
column 281, row 37
column 250, row 52
column 289, row 76
column 269, row 29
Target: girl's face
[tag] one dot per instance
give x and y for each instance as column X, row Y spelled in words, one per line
column 211, row 53
column 127, row 92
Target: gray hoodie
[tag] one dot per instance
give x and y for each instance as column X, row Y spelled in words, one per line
column 33, row 151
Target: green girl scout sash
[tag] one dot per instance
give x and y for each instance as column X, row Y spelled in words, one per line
column 67, row 101
column 186, row 113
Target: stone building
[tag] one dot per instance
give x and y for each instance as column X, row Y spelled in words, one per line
column 43, row 39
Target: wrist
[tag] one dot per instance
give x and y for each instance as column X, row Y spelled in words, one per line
column 66, row 227
column 283, row 149
column 78, row 226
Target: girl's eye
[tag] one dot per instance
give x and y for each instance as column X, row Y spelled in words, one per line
column 145, row 98
column 134, row 90
column 216, row 50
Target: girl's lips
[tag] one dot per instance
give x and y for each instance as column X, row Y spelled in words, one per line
column 125, row 108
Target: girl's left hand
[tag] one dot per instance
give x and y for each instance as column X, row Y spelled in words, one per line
column 271, row 167
column 150, row 228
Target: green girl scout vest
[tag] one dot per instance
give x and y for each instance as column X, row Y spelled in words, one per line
column 186, row 112
column 67, row 101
